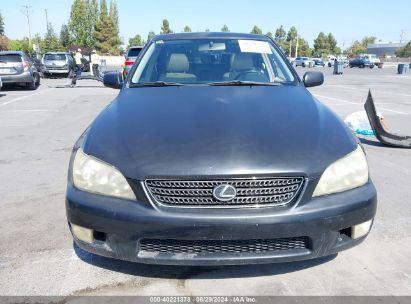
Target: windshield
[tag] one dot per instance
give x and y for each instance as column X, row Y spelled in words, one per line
column 206, row 61
column 57, row 57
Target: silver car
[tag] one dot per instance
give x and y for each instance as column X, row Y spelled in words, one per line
column 303, row 61
column 61, row 64
column 16, row 68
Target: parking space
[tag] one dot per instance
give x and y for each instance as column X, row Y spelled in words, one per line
column 38, row 130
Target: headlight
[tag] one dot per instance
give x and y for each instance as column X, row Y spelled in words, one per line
column 93, row 175
column 347, row 173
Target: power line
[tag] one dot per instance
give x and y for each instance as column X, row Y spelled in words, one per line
column 26, row 12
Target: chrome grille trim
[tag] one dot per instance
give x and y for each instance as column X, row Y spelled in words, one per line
column 251, row 192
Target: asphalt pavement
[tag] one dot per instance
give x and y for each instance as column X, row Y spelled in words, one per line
column 37, row 257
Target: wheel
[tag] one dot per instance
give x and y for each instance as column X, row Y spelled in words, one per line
column 350, row 66
column 371, row 66
column 329, row 65
column 362, row 66
column 34, row 83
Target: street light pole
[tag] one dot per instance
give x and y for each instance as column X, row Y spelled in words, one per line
column 47, row 20
column 26, row 12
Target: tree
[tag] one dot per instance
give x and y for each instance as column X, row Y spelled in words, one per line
column 82, row 22
column 20, row 45
column 368, row 40
column 206, row 30
column 321, row 45
column 65, row 36
column 51, row 42
column 113, row 13
column 280, row 34
column 225, row 28
column 1, row 25
column 360, row 47
column 256, row 30
column 165, row 29
column 333, row 43
column 136, row 40
column 4, row 43
column 292, row 34
column 187, row 29
column 106, row 31
column 269, row 34
column 404, row 51
column 304, row 48
column 150, row 35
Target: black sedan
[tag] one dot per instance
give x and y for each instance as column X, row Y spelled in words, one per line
column 361, row 63
column 213, row 153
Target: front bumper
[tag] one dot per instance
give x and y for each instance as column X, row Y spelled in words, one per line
column 124, row 224
column 56, row 71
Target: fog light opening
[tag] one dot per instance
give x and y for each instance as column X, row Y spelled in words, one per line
column 83, row 234
column 99, row 236
column 361, row 230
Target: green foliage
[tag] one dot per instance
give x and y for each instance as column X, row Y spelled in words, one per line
column 4, row 43
column 333, row 44
column 280, row 34
column 304, row 48
column 81, row 24
column 136, row 41
column 51, row 42
column 269, row 34
column 225, row 28
column 404, row 51
column 1, row 25
column 150, row 35
column 165, row 29
column 187, row 29
column 292, row 34
column 321, row 45
column 106, row 31
column 256, row 30
column 206, row 30
column 65, row 38
column 360, row 47
column 21, row 45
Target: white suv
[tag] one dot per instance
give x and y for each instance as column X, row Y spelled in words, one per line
column 303, row 61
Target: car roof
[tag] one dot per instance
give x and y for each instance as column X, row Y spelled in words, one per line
column 13, row 53
column 56, row 53
column 212, row 35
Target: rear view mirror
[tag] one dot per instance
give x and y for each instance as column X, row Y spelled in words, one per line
column 313, row 79
column 113, row 80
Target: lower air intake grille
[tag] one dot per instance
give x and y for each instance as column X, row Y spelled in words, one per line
column 222, row 246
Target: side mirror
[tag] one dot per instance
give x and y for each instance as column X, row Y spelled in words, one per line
column 113, row 80
column 313, row 79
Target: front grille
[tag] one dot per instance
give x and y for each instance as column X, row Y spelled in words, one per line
column 222, row 246
column 250, row 192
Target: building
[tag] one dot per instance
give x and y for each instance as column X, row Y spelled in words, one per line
column 384, row 49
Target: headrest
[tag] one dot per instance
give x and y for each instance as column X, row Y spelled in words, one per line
column 178, row 63
column 242, row 62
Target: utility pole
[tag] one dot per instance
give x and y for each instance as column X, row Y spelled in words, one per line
column 47, row 20
column 26, row 12
column 296, row 48
column 402, row 34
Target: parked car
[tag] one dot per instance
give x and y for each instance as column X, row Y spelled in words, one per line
column 16, row 68
column 303, row 62
column 372, row 58
column 319, row 62
column 361, row 63
column 39, row 66
column 214, row 152
column 58, row 63
column 130, row 57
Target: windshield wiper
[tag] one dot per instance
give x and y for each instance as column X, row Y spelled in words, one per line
column 155, row 84
column 243, row 83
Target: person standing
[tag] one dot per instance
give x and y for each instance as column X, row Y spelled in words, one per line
column 78, row 57
column 95, row 62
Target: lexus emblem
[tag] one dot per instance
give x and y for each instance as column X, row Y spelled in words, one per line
column 224, row 193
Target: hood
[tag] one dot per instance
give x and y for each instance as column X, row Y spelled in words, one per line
column 218, row 130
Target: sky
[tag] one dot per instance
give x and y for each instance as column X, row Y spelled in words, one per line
column 347, row 20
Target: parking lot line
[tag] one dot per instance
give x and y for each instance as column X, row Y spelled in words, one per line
column 24, row 97
column 356, row 103
column 350, row 87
